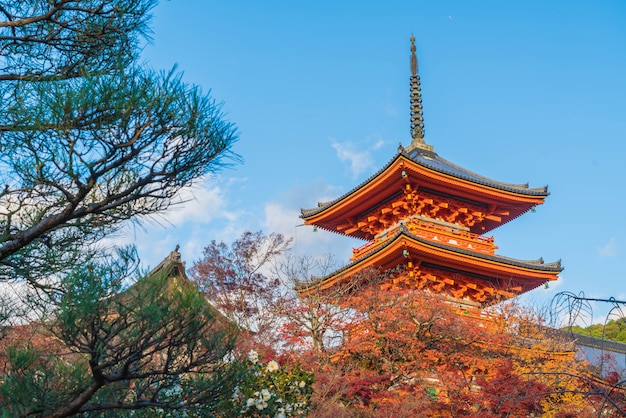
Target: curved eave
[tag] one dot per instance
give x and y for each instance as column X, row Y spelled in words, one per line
column 430, row 159
column 532, row 272
column 429, row 171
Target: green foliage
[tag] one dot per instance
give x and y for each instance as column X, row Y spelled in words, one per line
column 91, row 139
column 612, row 330
column 45, row 40
column 34, row 379
column 157, row 345
column 269, row 390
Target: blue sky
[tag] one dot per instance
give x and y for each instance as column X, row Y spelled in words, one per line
column 519, row 92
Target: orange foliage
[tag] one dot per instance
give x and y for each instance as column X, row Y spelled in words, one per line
column 410, row 354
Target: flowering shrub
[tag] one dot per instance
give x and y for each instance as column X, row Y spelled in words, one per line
column 269, row 391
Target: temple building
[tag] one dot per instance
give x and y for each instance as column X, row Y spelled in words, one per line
column 424, row 219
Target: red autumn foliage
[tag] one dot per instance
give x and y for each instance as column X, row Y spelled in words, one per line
column 412, row 354
column 397, row 352
column 233, row 278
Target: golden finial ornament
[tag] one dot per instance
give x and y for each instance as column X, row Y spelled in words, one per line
column 413, row 58
column 417, row 114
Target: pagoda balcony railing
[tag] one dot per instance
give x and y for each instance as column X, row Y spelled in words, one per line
column 433, row 232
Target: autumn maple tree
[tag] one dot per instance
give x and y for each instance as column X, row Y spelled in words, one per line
column 412, row 353
column 235, row 278
column 408, row 350
column 312, row 321
column 380, row 351
column 252, row 282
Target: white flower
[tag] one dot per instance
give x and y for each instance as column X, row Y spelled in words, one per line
column 302, row 384
column 265, row 394
column 260, row 405
column 250, row 402
column 272, row 366
column 253, row 356
column 235, row 393
column 280, row 414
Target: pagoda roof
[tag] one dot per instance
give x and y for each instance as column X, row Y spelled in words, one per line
column 528, row 274
column 435, row 174
column 430, row 159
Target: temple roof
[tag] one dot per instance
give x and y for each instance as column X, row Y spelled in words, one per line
column 433, row 161
column 536, row 272
column 431, row 173
column 171, row 266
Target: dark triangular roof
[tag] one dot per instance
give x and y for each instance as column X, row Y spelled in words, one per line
column 171, row 266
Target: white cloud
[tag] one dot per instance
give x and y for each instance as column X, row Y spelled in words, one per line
column 200, row 204
column 609, row 249
column 280, row 219
column 359, row 156
column 203, row 213
column 378, row 144
column 359, row 159
column 307, row 240
column 211, row 213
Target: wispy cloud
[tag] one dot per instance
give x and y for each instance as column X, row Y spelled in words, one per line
column 609, row 249
column 359, row 156
column 307, row 240
column 201, row 213
column 359, row 160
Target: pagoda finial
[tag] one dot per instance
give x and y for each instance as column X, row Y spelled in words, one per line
column 417, row 114
column 413, row 57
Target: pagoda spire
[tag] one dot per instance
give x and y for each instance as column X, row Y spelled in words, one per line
column 417, row 113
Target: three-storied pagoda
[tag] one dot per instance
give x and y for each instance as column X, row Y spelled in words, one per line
column 424, row 218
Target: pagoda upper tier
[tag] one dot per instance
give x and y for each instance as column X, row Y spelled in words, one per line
column 419, row 183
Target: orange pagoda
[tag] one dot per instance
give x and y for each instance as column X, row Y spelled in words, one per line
column 425, row 219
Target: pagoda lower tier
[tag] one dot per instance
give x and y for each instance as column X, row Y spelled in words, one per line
column 407, row 260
